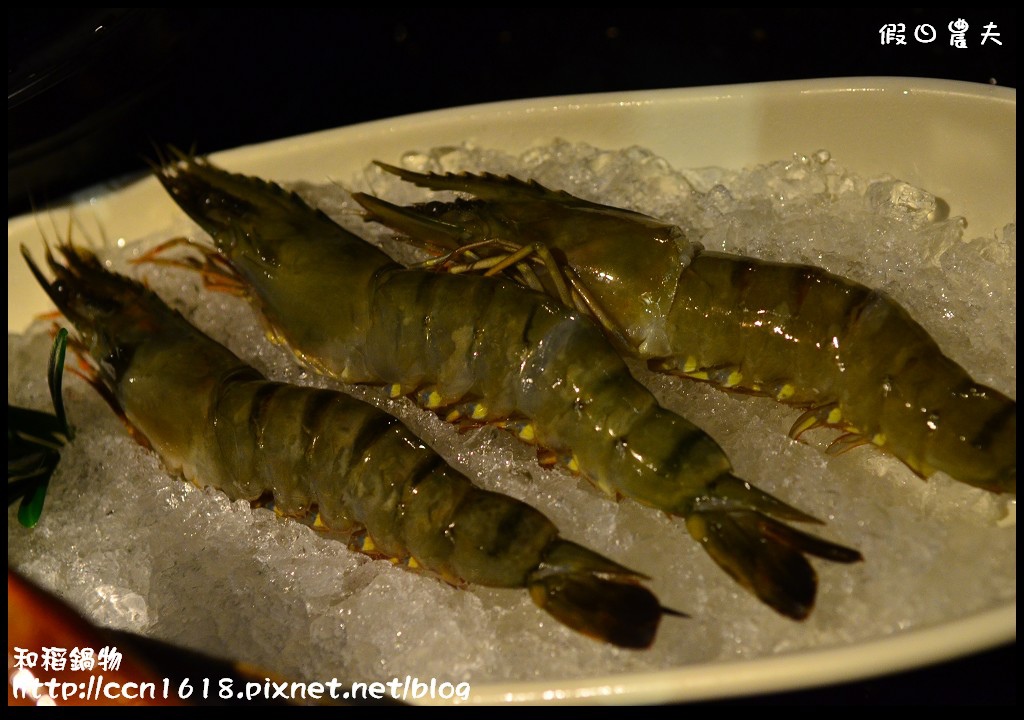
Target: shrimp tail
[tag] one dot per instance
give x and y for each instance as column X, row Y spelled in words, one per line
column 740, row 527
column 596, row 596
column 728, row 492
column 766, row 556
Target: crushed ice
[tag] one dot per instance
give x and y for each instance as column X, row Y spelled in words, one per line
column 135, row 548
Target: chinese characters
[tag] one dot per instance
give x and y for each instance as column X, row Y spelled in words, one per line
column 77, row 659
column 925, row 33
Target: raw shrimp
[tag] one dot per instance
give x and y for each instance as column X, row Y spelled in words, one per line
column 334, row 462
column 481, row 351
column 849, row 355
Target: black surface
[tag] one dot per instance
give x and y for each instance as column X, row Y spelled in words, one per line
column 85, row 105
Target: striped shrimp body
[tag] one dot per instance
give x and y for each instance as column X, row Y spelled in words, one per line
column 340, row 465
column 478, row 351
column 852, row 357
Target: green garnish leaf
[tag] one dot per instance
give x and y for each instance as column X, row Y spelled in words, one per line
column 34, row 442
column 32, row 504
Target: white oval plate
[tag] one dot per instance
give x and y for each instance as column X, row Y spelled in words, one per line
column 957, row 140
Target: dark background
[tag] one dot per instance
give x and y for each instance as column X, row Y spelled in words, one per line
column 87, row 104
